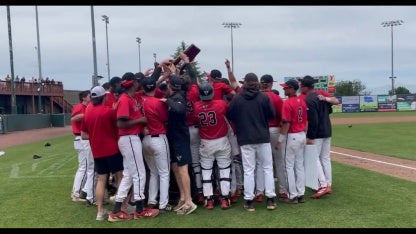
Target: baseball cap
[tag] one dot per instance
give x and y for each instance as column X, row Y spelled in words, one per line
column 115, row 80
column 175, row 81
column 215, row 74
column 292, row 83
column 148, row 83
column 251, row 78
column 266, row 79
column 127, row 80
column 307, row 81
column 97, row 91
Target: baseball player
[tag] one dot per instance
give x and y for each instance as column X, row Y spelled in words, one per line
column 130, row 121
column 292, row 140
column 220, row 88
column 100, row 129
column 213, row 130
column 155, row 146
column 83, row 186
column 319, row 132
column 250, row 110
column 266, row 84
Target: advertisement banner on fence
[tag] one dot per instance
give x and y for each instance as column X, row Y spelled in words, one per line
column 368, row 103
column 351, row 104
column 386, row 102
column 406, row 102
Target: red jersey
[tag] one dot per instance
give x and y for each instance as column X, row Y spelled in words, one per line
column 130, row 108
column 156, row 113
column 159, row 93
column 220, row 89
column 100, row 122
column 192, row 96
column 318, row 91
column 294, row 111
column 76, row 125
column 211, row 118
column 277, row 104
column 110, row 99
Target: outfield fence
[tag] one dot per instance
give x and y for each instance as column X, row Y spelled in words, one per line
column 21, row 122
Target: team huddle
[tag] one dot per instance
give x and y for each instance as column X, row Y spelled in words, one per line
column 141, row 128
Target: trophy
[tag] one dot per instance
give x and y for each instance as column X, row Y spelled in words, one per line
column 192, row 51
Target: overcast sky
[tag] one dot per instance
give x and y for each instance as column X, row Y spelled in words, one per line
column 346, row 41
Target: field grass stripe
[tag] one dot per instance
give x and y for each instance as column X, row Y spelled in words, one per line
column 377, row 161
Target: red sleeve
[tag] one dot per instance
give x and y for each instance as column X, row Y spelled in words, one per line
column 123, row 109
column 77, row 109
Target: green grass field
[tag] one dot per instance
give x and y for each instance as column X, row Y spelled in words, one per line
column 36, row 192
column 372, row 114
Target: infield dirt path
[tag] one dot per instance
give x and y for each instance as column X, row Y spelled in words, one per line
column 401, row 168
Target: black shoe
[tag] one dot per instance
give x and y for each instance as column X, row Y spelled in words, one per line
column 301, row 199
column 248, row 205
column 271, row 205
column 83, row 195
column 36, row 156
column 89, row 203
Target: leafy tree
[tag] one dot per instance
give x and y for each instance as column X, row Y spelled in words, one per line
column 401, row 90
column 350, row 88
column 197, row 70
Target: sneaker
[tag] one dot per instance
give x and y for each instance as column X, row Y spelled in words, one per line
column 151, row 206
column 291, row 201
column 101, row 215
column 146, row 213
column 329, row 189
column 89, row 203
column 248, row 205
column 179, row 205
column 119, row 216
column 76, row 198
column 225, row 203
column 185, row 210
column 200, row 198
column 83, row 195
column 167, row 208
column 209, row 203
column 301, row 199
column 271, row 205
column 259, row 197
column 282, row 196
column 233, row 198
column 321, row 191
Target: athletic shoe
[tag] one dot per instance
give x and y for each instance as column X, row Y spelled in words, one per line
column 167, row 208
column 209, row 203
column 83, row 195
column 248, row 205
column 259, row 197
column 301, row 199
column 321, row 191
column 179, row 205
column 76, row 198
column 328, row 189
column 271, row 205
column 146, row 213
column 152, row 206
column 225, row 203
column 185, row 210
column 119, row 216
column 233, row 198
column 89, row 203
column 282, row 196
column 200, row 198
column 101, row 215
column 291, row 201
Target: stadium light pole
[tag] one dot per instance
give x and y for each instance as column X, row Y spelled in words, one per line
column 94, row 49
column 154, row 56
column 39, row 61
column 232, row 25
column 391, row 24
column 13, row 91
column 106, row 20
column 139, row 40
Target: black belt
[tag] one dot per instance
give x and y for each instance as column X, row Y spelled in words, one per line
column 154, row 135
column 77, row 134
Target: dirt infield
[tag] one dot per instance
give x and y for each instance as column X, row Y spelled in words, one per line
column 401, row 168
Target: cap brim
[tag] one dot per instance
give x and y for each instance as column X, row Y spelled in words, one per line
column 284, row 85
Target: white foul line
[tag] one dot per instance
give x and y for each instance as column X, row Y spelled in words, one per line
column 392, row 164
